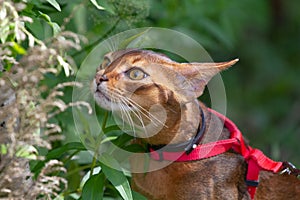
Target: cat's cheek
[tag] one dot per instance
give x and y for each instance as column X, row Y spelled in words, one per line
column 102, row 101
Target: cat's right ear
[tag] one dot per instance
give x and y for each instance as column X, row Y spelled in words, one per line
column 199, row 74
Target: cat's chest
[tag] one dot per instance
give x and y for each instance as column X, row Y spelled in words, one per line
column 187, row 180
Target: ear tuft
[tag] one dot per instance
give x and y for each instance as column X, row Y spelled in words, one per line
column 226, row 65
column 199, row 74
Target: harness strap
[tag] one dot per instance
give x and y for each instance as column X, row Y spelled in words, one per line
column 200, row 152
column 255, row 159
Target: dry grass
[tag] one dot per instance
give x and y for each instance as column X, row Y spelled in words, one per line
column 26, row 106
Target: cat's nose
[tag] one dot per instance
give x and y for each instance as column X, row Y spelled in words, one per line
column 101, row 78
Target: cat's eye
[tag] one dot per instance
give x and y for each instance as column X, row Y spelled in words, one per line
column 136, row 74
column 105, row 63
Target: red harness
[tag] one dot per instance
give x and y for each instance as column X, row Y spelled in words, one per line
column 255, row 159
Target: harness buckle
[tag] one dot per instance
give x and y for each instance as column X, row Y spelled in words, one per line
column 290, row 169
column 160, row 155
column 252, row 183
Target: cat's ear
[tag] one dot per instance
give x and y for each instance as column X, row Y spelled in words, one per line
column 199, row 74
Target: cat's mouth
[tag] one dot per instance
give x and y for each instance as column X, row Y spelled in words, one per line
column 100, row 94
column 103, row 100
column 106, row 102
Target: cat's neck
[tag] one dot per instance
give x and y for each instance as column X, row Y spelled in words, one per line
column 181, row 124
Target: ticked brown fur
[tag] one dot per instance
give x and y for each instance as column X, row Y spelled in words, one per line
column 175, row 88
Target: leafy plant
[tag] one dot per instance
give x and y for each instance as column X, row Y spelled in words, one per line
column 36, row 70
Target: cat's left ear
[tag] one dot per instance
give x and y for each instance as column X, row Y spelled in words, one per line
column 199, row 74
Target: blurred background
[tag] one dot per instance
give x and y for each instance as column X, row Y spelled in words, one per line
column 263, row 92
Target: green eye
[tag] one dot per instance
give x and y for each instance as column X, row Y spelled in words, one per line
column 136, row 74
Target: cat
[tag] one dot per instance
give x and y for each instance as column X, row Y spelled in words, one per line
column 135, row 81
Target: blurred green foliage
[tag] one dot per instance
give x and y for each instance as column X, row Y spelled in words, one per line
column 263, row 92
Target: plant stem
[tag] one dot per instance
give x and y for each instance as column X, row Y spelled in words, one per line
column 99, row 142
column 78, row 170
column 70, row 156
column 104, row 121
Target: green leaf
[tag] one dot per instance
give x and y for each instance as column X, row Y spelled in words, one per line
column 56, row 153
column 59, row 197
column 74, row 196
column 111, row 128
column 19, row 49
column 27, row 151
column 110, row 138
column 54, row 4
column 3, row 149
column 116, row 177
column 88, row 174
column 24, row 151
column 138, row 196
column 126, row 42
column 109, row 7
column 93, row 188
column 44, row 16
column 55, row 27
column 97, row 5
column 123, row 139
column 86, row 137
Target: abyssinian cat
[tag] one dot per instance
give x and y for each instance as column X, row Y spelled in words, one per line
column 136, row 81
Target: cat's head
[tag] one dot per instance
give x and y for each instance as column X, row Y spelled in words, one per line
column 138, row 79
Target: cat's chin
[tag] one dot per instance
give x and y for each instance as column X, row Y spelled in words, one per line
column 101, row 99
column 104, row 102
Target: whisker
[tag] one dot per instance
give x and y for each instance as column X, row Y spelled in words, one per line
column 127, row 115
column 129, row 118
column 127, row 101
column 128, row 106
column 137, row 114
column 135, row 111
column 131, row 123
column 151, row 117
